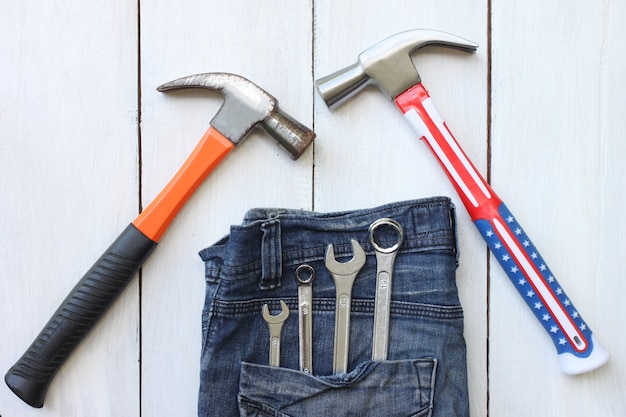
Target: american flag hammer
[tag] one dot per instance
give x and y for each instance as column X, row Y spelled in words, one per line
column 388, row 65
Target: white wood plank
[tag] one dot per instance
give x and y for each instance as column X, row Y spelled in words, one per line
column 366, row 154
column 68, row 168
column 557, row 148
column 217, row 36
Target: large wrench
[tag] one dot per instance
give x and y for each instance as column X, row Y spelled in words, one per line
column 275, row 325
column 385, row 258
column 305, row 274
column 343, row 274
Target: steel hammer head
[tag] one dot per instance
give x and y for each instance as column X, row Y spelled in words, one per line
column 245, row 106
column 387, row 65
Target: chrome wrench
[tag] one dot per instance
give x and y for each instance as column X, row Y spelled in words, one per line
column 385, row 258
column 275, row 325
column 305, row 274
column 343, row 274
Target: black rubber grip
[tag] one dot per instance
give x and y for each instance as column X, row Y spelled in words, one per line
column 30, row 377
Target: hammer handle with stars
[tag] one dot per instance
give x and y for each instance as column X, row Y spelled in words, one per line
column 577, row 349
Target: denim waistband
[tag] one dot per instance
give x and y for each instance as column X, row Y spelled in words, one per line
column 270, row 239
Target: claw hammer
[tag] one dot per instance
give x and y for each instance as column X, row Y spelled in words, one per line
column 245, row 106
column 388, row 65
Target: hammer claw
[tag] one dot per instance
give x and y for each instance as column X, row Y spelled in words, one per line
column 246, row 105
column 387, row 64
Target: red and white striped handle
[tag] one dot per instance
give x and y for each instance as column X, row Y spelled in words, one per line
column 577, row 349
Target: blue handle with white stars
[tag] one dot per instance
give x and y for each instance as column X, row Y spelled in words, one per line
column 577, row 349
column 527, row 270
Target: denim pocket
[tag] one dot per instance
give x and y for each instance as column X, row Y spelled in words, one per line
column 399, row 388
column 255, row 266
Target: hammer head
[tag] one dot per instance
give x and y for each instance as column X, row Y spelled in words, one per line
column 245, row 106
column 387, row 65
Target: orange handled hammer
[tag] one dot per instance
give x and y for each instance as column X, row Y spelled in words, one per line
column 245, row 106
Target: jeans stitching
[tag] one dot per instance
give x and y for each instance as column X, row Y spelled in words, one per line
column 231, row 308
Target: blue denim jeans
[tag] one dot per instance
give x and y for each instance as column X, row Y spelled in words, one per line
column 424, row 373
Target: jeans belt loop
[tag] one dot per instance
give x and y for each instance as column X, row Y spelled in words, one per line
column 212, row 269
column 453, row 223
column 271, row 255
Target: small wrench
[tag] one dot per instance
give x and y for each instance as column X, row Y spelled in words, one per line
column 305, row 274
column 385, row 258
column 275, row 325
column 343, row 274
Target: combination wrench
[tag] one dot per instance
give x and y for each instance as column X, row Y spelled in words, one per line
column 385, row 258
column 305, row 274
column 275, row 325
column 343, row 274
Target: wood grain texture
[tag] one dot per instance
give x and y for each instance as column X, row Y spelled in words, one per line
column 557, row 125
column 68, row 149
column 85, row 138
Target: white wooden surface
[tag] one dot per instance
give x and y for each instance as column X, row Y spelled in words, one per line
column 539, row 108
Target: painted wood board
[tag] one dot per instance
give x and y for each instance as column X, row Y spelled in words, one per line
column 68, row 149
column 557, row 112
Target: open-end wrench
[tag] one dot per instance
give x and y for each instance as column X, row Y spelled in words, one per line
column 389, row 66
column 275, row 325
column 385, row 258
column 343, row 274
column 305, row 274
